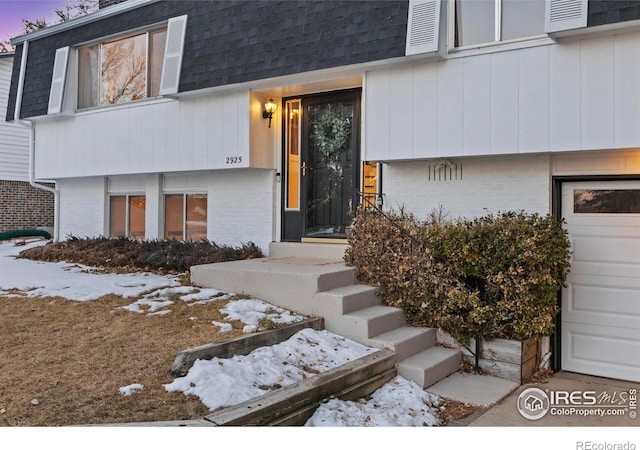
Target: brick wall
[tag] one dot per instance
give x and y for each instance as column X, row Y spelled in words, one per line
column 24, row 207
column 82, row 207
column 240, row 207
column 484, row 185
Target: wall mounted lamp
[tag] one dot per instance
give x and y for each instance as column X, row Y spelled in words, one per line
column 269, row 108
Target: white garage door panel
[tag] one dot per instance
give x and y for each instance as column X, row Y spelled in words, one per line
column 603, row 351
column 605, row 271
column 584, row 302
column 606, row 249
column 600, row 330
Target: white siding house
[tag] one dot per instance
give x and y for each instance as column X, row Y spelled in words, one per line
column 22, row 206
column 538, row 114
column 14, row 139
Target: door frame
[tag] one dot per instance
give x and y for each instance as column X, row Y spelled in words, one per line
column 303, row 153
column 556, row 211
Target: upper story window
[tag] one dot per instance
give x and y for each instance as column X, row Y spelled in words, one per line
column 487, row 21
column 121, row 70
column 118, row 70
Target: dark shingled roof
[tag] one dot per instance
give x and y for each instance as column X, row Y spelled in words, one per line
column 238, row 41
column 603, row 12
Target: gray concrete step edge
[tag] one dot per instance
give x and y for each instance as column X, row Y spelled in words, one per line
column 406, row 341
column 431, row 365
column 346, row 299
column 306, row 249
column 366, row 323
column 283, row 285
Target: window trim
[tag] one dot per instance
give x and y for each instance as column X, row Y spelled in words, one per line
column 497, row 44
column 127, row 215
column 147, row 31
column 184, row 194
column 67, row 82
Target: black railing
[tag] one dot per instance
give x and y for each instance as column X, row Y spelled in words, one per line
column 374, row 201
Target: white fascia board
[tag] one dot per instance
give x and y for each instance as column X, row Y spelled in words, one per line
column 599, row 30
column 82, row 20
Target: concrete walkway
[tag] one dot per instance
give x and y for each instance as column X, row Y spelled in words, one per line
column 505, row 412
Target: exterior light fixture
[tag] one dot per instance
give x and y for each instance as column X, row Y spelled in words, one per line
column 269, row 108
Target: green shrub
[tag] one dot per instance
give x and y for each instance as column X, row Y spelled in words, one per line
column 494, row 276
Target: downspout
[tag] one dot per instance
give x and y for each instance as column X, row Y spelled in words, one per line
column 32, row 143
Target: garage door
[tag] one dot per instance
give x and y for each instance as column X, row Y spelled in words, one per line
column 600, row 332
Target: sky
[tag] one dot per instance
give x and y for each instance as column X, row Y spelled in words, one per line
column 400, row 411
column 13, row 11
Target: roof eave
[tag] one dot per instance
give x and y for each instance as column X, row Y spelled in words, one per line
column 598, row 30
column 82, row 20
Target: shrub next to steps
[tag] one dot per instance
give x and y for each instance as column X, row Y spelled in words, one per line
column 495, row 276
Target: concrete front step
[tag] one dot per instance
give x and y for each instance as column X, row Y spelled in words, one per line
column 431, row 365
column 406, row 341
column 366, row 323
column 306, row 250
column 327, row 288
column 290, row 282
column 346, row 299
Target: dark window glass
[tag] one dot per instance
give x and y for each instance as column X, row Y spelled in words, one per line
column 606, row 201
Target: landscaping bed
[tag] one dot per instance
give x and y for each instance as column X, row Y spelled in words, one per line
column 130, row 255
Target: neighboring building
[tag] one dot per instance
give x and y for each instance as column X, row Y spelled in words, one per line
column 22, row 206
column 150, row 117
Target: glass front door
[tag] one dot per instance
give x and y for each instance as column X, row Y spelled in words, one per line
column 322, row 167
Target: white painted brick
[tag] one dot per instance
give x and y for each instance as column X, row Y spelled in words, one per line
column 82, row 207
column 491, row 184
column 241, row 207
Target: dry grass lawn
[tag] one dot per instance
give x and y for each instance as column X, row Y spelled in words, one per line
column 72, row 357
column 64, row 361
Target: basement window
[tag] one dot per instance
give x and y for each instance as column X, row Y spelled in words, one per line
column 185, row 217
column 127, row 216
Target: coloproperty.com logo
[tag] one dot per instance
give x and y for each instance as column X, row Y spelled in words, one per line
column 535, row 403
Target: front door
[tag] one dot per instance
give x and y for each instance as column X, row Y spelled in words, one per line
column 321, row 165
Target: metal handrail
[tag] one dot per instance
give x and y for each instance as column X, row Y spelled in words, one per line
column 376, row 207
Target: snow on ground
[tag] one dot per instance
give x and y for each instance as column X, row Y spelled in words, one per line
column 225, row 382
column 72, row 281
column 251, row 311
column 400, row 402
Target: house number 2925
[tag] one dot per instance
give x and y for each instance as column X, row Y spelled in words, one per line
column 233, row 159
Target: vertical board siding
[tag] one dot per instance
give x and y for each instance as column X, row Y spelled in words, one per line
column 425, row 110
column 402, row 130
column 533, row 99
column 450, row 108
column 565, row 98
column 477, row 106
column 14, row 138
column 377, row 113
column 627, row 93
column 190, row 134
column 597, row 78
column 578, row 95
column 505, row 114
